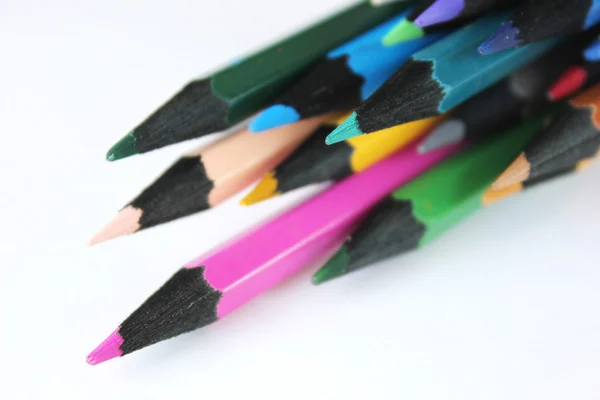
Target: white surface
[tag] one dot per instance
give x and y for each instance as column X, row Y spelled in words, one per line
column 503, row 307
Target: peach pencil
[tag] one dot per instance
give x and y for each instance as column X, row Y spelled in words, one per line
column 206, row 177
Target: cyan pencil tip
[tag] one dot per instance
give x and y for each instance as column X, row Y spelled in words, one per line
column 348, row 129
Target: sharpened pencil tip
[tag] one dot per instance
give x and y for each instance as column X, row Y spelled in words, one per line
column 402, row 32
column 126, row 222
column 516, row 173
column 503, row 39
column 348, row 129
column 108, row 349
column 569, row 82
column 592, row 53
column 492, row 196
column 123, row 148
column 439, row 12
column 264, row 190
column 447, row 133
column 334, row 268
column 273, row 117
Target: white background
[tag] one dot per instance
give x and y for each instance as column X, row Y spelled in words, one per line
column 505, row 306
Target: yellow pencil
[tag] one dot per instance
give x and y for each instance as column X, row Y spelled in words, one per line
column 315, row 162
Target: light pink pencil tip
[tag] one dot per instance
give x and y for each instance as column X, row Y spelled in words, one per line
column 108, row 349
column 126, row 222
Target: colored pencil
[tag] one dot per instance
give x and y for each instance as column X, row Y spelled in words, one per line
column 443, row 11
column 437, row 79
column 574, row 80
column 492, row 196
column 206, row 177
column 405, row 29
column 314, row 162
column 343, row 79
column 592, row 52
column 423, row 209
column 572, row 136
column 510, row 101
column 212, row 286
column 537, row 20
column 229, row 96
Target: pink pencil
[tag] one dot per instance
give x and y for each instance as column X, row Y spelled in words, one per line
column 213, row 285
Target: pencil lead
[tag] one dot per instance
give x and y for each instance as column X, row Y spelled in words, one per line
column 592, row 53
column 503, row 39
column 583, row 164
column 447, row 133
column 264, row 190
column 516, row 173
column 492, row 196
column 402, row 32
column 108, row 349
column 348, row 129
column 272, row 117
column 123, row 148
column 127, row 221
column 568, row 83
column 334, row 268
column 438, row 12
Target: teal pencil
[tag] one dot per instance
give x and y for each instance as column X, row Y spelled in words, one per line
column 437, row 79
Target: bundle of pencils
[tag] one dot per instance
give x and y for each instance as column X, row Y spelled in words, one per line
column 417, row 113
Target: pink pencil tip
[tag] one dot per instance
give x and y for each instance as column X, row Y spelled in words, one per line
column 125, row 222
column 109, row 348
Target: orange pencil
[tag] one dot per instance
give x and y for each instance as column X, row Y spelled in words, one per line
column 208, row 176
column 573, row 135
column 492, row 196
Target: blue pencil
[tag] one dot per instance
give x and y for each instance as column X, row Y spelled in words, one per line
column 437, row 79
column 592, row 53
column 537, row 20
column 343, row 79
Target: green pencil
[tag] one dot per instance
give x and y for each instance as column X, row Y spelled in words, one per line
column 418, row 212
column 223, row 99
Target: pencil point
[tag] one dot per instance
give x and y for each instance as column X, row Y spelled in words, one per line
column 126, row 222
column 592, row 53
column 492, row 196
column 439, row 12
column 264, row 190
column 272, row 117
column 516, row 173
column 402, row 32
column 504, row 38
column 334, row 268
column 447, row 133
column 108, row 349
column 569, row 82
column 123, row 148
column 348, row 129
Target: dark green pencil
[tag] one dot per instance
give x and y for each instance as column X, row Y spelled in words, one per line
column 228, row 96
